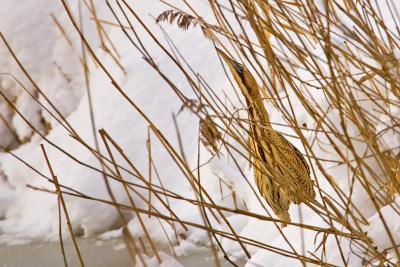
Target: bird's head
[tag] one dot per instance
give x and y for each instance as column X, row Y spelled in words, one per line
column 241, row 75
column 233, row 65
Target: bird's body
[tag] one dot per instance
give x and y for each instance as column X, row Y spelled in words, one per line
column 280, row 171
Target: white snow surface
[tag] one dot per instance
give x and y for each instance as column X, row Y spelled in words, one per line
column 30, row 214
column 166, row 261
column 380, row 234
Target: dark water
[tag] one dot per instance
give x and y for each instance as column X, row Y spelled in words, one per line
column 95, row 254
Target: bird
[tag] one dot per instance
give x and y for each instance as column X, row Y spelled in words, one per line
column 281, row 173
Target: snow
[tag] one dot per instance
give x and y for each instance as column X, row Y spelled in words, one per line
column 185, row 248
column 112, row 234
column 22, row 208
column 259, row 259
column 7, row 195
column 166, row 261
column 376, row 230
column 120, row 247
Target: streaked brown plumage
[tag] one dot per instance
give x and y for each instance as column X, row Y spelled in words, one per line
column 280, row 170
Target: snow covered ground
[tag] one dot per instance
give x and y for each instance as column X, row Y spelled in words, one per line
column 55, row 66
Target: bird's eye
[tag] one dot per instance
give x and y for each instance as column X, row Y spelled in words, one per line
column 239, row 68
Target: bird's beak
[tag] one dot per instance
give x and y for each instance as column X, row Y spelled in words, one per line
column 223, row 55
column 231, row 63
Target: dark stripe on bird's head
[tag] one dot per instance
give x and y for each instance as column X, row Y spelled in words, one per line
column 237, row 66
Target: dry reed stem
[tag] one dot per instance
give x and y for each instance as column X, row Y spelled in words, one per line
column 60, row 233
column 61, row 199
column 105, row 137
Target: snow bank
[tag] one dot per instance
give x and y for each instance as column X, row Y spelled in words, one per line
column 112, row 113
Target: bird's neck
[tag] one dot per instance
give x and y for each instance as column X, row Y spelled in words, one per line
column 255, row 105
column 257, row 112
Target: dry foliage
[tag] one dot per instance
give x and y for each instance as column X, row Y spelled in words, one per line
column 209, row 134
column 183, row 20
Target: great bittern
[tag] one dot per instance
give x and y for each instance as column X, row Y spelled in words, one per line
column 280, row 170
